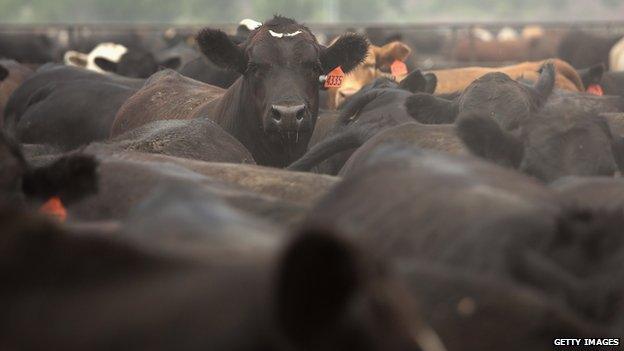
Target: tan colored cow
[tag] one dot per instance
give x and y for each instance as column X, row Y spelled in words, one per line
column 456, row 79
column 378, row 57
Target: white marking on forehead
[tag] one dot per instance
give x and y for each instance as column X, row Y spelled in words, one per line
column 280, row 35
column 250, row 24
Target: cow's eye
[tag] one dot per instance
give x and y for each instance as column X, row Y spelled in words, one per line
column 314, row 67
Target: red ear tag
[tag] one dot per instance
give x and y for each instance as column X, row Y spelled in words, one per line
column 595, row 89
column 334, row 78
column 54, row 208
column 398, row 68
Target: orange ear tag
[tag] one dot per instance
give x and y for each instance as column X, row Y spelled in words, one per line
column 398, row 68
column 54, row 208
column 595, row 89
column 334, row 78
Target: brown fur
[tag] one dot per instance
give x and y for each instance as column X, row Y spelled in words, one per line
column 378, row 57
column 521, row 49
column 456, row 79
column 166, row 95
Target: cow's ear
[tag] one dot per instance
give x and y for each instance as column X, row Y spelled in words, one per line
column 348, row 51
column 221, row 51
column 105, row 64
column 3, row 73
column 485, row 138
column 432, row 83
column 390, row 52
column 75, row 58
column 545, row 84
column 172, row 63
column 591, row 75
column 317, row 278
column 414, row 82
column 429, row 109
column 71, row 178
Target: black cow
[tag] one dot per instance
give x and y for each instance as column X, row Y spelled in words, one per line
column 49, row 74
column 482, row 219
column 199, row 139
column 24, row 47
column 494, row 94
column 582, row 49
column 66, row 106
column 126, row 178
column 71, row 114
column 377, row 106
column 273, row 107
column 564, row 135
column 547, row 146
column 205, row 71
column 216, row 280
column 596, row 193
column 610, row 82
column 281, row 62
column 69, row 177
column 137, row 64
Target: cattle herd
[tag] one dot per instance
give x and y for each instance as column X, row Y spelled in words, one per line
column 279, row 189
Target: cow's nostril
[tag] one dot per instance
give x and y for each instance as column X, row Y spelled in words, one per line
column 301, row 114
column 275, row 114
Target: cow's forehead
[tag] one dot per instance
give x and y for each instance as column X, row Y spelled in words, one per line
column 284, row 47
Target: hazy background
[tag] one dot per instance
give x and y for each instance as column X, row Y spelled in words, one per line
column 317, row 11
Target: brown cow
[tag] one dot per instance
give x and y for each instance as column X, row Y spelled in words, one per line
column 534, row 44
column 378, row 57
column 456, row 79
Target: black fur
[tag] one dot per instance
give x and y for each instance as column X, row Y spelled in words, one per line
column 317, row 276
column 13, row 146
column 580, row 263
column 219, row 49
column 545, row 84
column 591, row 75
column 349, row 139
column 3, row 73
column 71, row 178
column 413, row 82
column 105, row 64
column 429, row 109
column 348, row 52
column 432, row 83
column 485, row 138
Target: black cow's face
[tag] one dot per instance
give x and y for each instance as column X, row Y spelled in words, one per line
column 283, row 74
column 281, row 62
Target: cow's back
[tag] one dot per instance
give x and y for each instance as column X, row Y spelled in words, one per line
column 456, row 79
column 165, row 95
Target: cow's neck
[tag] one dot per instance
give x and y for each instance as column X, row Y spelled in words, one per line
column 238, row 115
